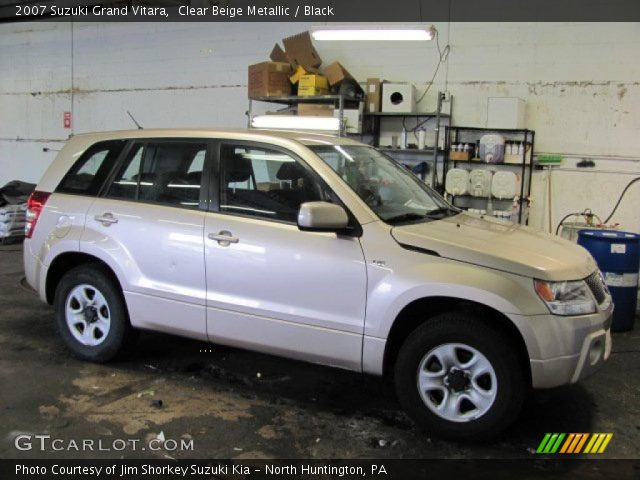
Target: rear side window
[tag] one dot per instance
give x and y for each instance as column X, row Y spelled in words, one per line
column 166, row 172
column 89, row 173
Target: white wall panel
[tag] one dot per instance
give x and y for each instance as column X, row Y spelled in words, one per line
column 580, row 82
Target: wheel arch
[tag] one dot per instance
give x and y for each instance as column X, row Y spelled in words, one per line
column 422, row 310
column 67, row 261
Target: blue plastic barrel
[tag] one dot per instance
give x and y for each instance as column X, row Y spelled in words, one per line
column 618, row 256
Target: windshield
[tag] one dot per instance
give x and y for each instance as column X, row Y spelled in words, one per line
column 395, row 194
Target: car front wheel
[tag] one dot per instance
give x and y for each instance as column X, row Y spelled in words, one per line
column 459, row 378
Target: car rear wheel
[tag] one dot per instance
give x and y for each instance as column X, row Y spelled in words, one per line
column 459, row 378
column 91, row 314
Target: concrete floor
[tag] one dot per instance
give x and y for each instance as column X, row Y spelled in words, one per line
column 238, row 404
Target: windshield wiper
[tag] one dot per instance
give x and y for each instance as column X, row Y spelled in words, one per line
column 405, row 217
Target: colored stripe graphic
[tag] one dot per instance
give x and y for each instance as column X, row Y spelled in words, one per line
column 581, row 442
column 606, row 441
column 599, row 443
column 567, row 442
column 593, row 442
column 573, row 443
column 556, row 445
column 550, row 443
column 543, row 443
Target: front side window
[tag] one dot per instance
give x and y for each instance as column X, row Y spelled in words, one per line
column 392, row 192
column 265, row 183
column 168, row 173
column 91, row 170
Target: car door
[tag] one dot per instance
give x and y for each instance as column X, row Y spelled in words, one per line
column 148, row 225
column 270, row 286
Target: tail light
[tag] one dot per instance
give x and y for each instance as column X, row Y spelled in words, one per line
column 35, row 204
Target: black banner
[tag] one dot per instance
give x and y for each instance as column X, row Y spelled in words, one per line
column 321, row 11
column 321, row 469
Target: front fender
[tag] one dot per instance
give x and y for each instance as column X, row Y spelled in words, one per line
column 423, row 276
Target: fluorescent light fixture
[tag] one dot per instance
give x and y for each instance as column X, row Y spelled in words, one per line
column 293, row 122
column 373, row 33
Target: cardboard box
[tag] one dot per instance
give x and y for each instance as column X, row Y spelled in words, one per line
column 278, row 55
column 300, row 51
column 300, row 71
column 269, row 79
column 374, row 95
column 505, row 112
column 313, row 80
column 336, row 73
column 311, row 91
column 315, row 110
column 459, row 156
column 310, row 85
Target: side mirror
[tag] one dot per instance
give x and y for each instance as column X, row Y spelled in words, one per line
column 322, row 217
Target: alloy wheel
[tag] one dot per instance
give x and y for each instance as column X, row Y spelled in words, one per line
column 457, row 382
column 88, row 315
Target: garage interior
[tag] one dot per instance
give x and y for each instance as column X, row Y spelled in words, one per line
column 574, row 84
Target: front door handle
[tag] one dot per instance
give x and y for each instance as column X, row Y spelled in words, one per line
column 106, row 219
column 224, row 238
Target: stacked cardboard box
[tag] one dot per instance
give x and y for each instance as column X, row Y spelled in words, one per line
column 314, row 84
column 315, row 110
column 277, row 77
column 374, row 95
column 269, row 79
column 336, row 74
column 300, row 63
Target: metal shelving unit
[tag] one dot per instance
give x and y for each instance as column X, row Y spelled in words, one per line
column 430, row 154
column 455, row 135
column 339, row 102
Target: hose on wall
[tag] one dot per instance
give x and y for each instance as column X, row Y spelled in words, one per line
column 587, row 212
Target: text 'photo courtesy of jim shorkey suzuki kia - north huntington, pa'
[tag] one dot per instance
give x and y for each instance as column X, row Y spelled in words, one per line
column 318, row 248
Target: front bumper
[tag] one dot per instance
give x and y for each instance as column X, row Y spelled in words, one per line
column 558, row 371
column 563, row 350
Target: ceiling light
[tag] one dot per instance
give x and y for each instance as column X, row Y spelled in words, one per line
column 380, row 34
column 293, row 122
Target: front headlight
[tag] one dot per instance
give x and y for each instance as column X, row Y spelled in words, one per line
column 566, row 298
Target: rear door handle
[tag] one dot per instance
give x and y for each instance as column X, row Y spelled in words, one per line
column 224, row 238
column 106, row 219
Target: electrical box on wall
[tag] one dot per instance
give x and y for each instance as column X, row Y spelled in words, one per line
column 505, row 112
column 398, row 98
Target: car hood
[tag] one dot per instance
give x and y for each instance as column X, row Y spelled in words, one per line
column 500, row 245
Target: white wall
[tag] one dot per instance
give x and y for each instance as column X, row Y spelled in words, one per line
column 580, row 82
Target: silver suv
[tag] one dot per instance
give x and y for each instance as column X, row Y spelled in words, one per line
column 316, row 248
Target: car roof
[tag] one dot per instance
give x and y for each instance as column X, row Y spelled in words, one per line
column 306, row 138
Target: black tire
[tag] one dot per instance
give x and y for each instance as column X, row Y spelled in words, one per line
column 120, row 337
column 463, row 328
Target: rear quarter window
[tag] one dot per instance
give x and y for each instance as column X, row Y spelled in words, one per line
column 91, row 170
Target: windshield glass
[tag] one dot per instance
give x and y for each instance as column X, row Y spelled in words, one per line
column 395, row 194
